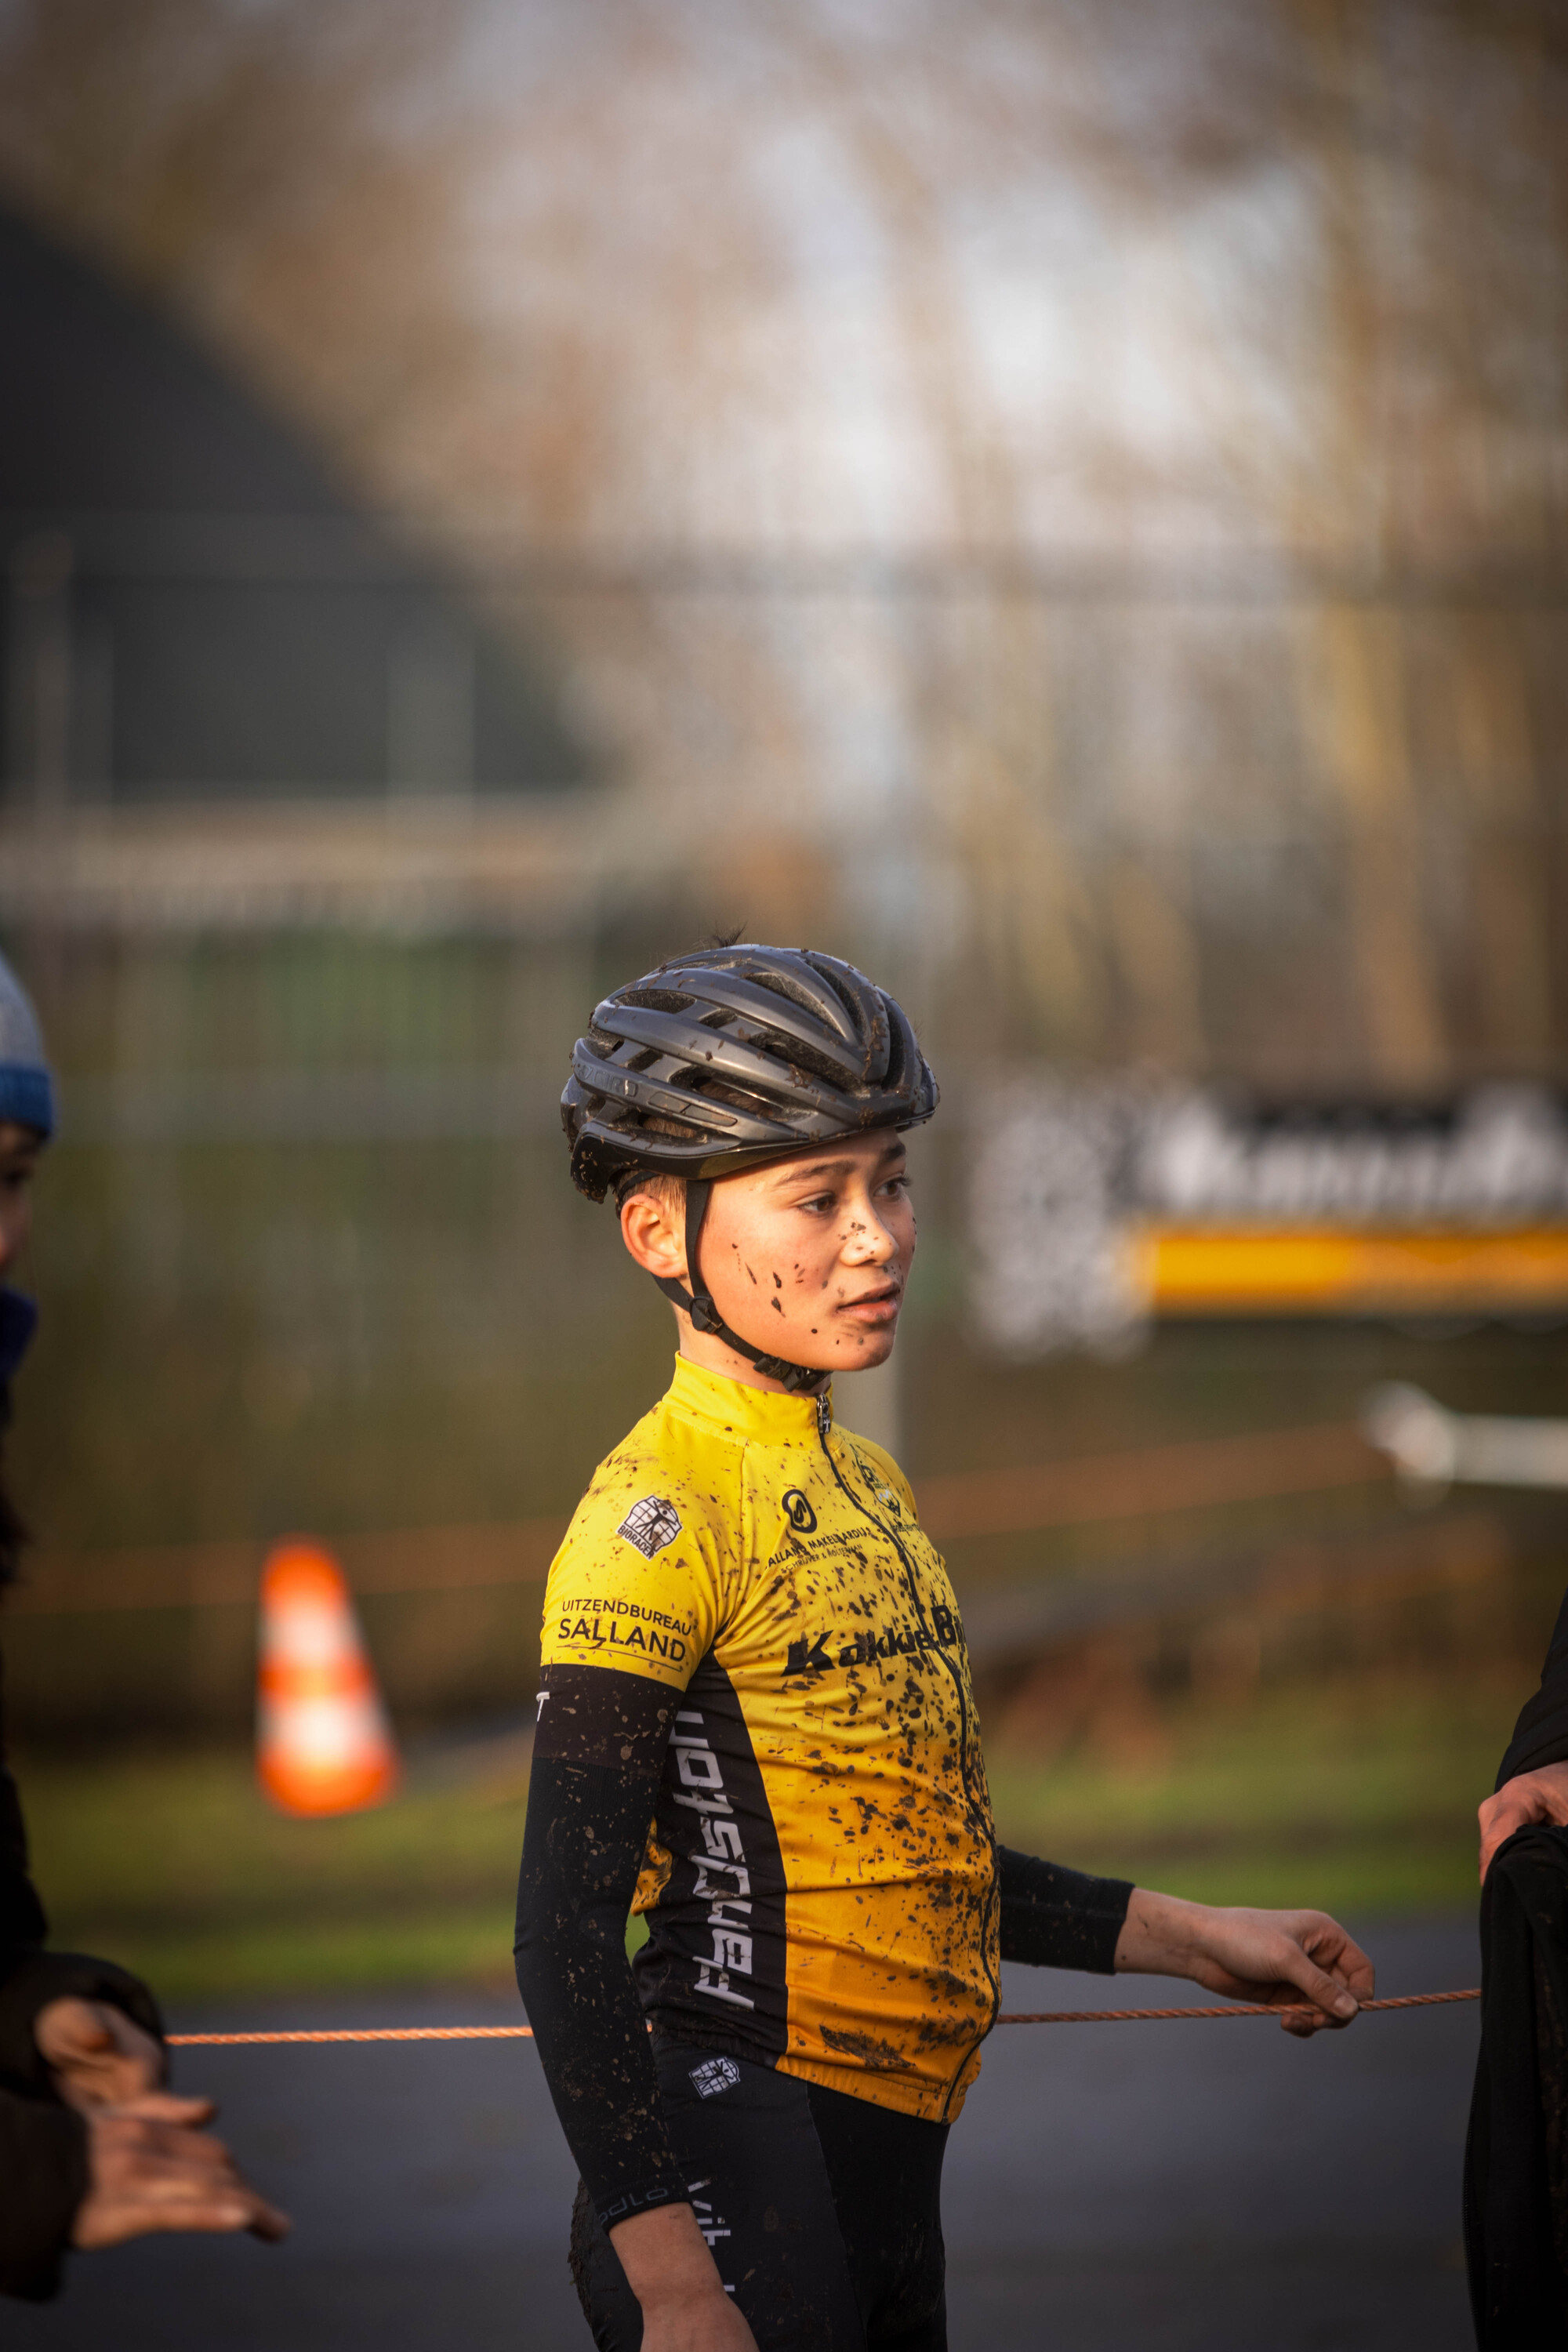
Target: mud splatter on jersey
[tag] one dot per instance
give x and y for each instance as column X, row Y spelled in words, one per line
column 820, row 1883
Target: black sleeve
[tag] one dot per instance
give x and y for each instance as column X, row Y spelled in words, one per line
column 35, row 1979
column 43, row 2142
column 596, row 1757
column 1057, row 1919
column 43, row 2180
column 1540, row 1735
column 22, row 1921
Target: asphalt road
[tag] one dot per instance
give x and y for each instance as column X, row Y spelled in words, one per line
column 1165, row 2187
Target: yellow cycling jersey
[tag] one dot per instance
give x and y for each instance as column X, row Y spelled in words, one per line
column 820, row 1879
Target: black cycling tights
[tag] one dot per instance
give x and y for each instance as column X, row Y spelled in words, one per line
column 823, row 2212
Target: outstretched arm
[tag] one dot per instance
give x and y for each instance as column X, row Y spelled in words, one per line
column 1057, row 1918
column 1297, row 1960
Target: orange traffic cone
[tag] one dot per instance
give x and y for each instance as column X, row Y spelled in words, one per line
column 322, row 1741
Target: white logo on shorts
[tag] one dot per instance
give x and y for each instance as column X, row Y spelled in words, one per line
column 650, row 1525
column 714, row 2075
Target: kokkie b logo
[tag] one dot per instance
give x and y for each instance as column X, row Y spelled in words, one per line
column 799, row 1513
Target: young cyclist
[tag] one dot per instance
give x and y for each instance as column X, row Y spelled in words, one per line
column 757, row 1723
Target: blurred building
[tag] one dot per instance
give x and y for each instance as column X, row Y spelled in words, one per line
column 216, row 668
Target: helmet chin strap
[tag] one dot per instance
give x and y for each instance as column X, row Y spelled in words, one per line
column 696, row 1302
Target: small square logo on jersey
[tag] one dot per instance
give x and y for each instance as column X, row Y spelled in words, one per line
column 874, row 1480
column 650, row 1525
column 714, row 2075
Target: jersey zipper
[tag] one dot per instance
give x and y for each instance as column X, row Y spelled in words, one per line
column 977, row 1809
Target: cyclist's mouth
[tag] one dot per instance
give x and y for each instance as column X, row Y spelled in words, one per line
column 877, row 1307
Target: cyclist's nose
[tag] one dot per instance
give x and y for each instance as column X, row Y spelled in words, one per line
column 867, row 1241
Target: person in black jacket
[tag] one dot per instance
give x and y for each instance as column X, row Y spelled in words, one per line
column 93, row 2148
column 1516, row 2157
column 1532, row 1778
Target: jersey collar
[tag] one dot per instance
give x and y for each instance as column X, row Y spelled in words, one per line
column 757, row 1416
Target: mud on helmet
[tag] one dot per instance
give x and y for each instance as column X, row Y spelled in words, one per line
column 724, row 1059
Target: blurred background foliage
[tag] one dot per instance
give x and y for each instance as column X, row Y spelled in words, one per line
column 1064, row 505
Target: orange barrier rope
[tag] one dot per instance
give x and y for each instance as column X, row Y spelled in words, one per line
column 1231, row 2009
column 368, row 2033
column 1039, row 2017
column 1195, row 1473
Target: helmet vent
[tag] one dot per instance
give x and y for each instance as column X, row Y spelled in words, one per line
column 776, row 985
column 655, row 1000
column 715, row 1090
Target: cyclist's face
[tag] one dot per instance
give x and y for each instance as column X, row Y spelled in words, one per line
column 808, row 1257
column 805, row 1258
column 19, row 1149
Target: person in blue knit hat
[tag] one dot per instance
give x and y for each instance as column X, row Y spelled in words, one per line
column 26, row 1090
column 93, row 2149
column 27, row 1121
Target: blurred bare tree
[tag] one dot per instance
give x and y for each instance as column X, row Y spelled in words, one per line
column 1077, row 486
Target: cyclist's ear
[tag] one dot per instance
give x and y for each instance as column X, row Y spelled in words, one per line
column 653, row 1231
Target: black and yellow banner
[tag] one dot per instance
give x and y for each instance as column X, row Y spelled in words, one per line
column 1098, row 1205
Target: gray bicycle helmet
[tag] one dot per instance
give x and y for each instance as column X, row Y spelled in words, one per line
column 728, row 1058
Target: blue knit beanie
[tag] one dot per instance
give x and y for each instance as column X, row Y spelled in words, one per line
column 26, row 1093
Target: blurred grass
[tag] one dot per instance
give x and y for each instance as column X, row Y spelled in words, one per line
column 176, row 1866
column 1356, row 1796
